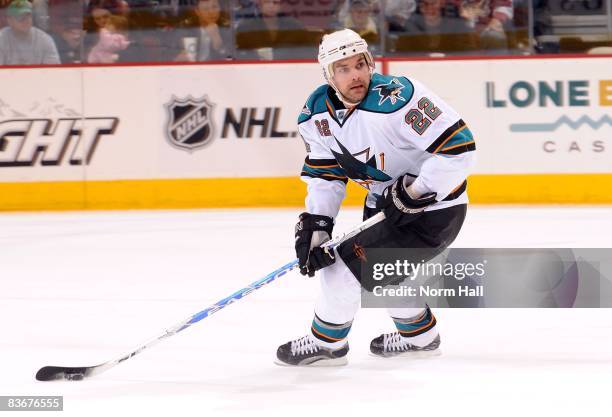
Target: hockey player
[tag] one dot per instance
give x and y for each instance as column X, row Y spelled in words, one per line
column 412, row 151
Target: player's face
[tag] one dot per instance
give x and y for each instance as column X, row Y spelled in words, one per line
column 352, row 77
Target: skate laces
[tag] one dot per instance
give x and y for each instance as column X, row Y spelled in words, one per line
column 394, row 342
column 303, row 345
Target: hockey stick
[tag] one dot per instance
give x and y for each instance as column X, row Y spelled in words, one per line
column 50, row 373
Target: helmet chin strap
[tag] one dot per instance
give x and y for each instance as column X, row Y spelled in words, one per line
column 348, row 104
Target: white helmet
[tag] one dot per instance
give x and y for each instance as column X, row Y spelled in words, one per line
column 339, row 45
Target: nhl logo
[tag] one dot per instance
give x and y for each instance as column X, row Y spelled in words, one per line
column 190, row 124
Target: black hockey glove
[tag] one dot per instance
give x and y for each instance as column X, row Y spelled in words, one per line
column 310, row 232
column 399, row 208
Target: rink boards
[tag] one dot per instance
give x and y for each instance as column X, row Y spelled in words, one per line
column 224, row 135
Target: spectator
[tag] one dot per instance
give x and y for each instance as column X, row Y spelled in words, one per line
column 344, row 7
column 68, row 35
column 432, row 31
column 243, row 9
column 151, row 31
column 59, row 11
column 40, row 14
column 489, row 18
column 397, row 13
column 23, row 44
column 321, row 15
column 109, row 43
column 362, row 19
column 206, row 36
column 269, row 29
column 101, row 11
column 100, row 14
column 173, row 10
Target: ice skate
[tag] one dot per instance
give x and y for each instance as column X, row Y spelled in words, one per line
column 394, row 344
column 306, row 352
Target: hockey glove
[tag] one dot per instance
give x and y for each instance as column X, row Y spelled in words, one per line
column 399, row 206
column 310, row 232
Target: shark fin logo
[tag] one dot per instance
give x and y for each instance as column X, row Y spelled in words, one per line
column 391, row 91
column 357, row 170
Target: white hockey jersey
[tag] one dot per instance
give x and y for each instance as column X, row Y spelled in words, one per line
column 400, row 127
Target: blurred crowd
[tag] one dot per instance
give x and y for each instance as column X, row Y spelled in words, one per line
column 34, row 32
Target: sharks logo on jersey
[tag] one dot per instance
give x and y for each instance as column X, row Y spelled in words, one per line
column 365, row 172
column 390, row 91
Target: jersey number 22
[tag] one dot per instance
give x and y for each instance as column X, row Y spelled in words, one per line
column 420, row 119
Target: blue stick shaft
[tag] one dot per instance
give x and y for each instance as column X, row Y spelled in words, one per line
column 276, row 274
column 49, row 373
column 240, row 293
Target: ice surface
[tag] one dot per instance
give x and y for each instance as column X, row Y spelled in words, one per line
column 81, row 288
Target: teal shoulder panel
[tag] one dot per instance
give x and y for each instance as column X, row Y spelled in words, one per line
column 387, row 94
column 314, row 105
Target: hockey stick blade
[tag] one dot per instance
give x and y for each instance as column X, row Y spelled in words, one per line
column 75, row 373
column 52, row 373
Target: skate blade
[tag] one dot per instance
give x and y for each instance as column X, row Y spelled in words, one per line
column 323, row 363
column 418, row 354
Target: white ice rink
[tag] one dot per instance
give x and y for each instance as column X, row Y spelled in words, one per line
column 81, row 288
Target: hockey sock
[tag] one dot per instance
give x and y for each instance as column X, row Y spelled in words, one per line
column 329, row 334
column 417, row 325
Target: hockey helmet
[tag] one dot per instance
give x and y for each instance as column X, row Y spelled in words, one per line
column 342, row 44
